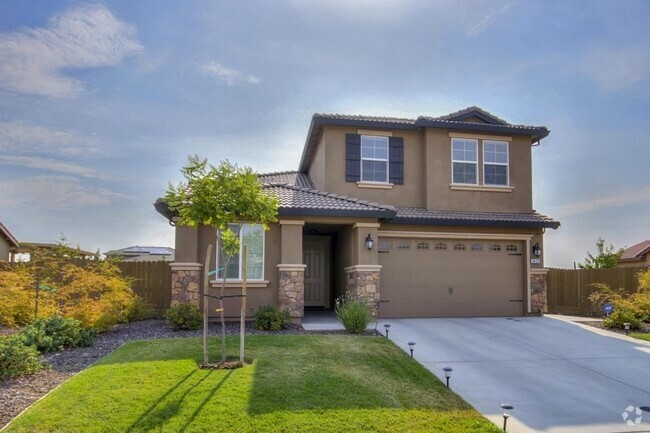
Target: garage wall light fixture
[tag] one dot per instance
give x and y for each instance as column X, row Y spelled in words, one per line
column 411, row 347
column 387, row 327
column 506, row 413
column 369, row 242
column 447, row 371
column 537, row 250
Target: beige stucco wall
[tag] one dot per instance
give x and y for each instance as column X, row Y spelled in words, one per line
column 4, row 250
column 427, row 173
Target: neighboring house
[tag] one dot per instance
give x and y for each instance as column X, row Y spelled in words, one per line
column 8, row 244
column 636, row 255
column 143, row 254
column 23, row 252
column 441, row 223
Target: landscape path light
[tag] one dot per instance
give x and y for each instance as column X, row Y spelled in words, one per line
column 627, row 327
column 387, row 327
column 447, row 371
column 411, row 347
column 506, row 413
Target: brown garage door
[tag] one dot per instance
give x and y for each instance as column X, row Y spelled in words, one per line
column 451, row 277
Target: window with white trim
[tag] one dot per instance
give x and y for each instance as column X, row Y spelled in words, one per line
column 495, row 163
column 464, row 161
column 251, row 235
column 374, row 158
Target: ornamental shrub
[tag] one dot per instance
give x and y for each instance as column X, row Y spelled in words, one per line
column 184, row 316
column 17, row 358
column 620, row 317
column 354, row 313
column 271, row 318
column 56, row 333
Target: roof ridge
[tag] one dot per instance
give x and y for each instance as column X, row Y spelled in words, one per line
column 281, row 172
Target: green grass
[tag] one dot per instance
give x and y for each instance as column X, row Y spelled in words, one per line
column 641, row 335
column 297, row 383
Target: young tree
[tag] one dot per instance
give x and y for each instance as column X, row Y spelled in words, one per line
column 607, row 257
column 224, row 197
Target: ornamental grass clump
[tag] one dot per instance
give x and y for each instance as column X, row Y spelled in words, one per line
column 354, row 313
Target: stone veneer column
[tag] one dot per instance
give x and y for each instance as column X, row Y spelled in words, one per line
column 291, row 290
column 186, row 279
column 363, row 282
column 538, row 291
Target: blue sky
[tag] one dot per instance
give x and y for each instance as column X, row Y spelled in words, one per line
column 100, row 103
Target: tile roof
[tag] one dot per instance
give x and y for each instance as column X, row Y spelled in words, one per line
column 295, row 200
column 414, row 215
column 294, row 178
column 363, row 118
column 636, row 252
column 154, row 251
column 469, row 111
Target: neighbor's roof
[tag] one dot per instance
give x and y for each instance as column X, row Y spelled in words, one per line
column 463, row 120
column 636, row 252
column 4, row 231
column 289, row 177
column 412, row 215
column 138, row 250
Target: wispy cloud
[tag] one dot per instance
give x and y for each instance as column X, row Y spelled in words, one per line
column 55, row 192
column 228, row 76
column 33, row 61
column 629, row 197
column 27, row 138
column 480, row 24
column 617, row 69
column 50, row 165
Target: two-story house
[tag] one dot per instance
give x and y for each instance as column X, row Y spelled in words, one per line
column 426, row 217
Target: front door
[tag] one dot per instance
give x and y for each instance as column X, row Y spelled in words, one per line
column 314, row 252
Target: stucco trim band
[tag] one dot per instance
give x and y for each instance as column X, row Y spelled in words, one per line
column 373, row 185
column 291, row 268
column 363, row 268
column 480, row 136
column 366, row 225
column 251, row 284
column 540, row 271
column 176, row 266
column 292, row 223
column 482, row 188
column 446, row 235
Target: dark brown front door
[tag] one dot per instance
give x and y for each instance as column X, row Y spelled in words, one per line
column 314, row 252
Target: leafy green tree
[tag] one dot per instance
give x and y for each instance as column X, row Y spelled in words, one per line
column 224, row 197
column 606, row 257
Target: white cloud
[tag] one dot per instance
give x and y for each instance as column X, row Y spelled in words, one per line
column 33, row 61
column 480, row 24
column 55, row 192
column 50, row 165
column 228, row 76
column 617, row 69
column 26, row 138
column 629, row 197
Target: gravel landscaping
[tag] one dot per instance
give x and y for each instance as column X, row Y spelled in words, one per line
column 18, row 394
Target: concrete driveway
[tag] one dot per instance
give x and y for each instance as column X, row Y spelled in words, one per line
column 559, row 376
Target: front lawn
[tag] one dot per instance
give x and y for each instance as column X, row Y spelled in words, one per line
column 296, row 383
column 641, row 335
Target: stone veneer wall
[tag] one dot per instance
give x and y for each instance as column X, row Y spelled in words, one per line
column 291, row 291
column 364, row 284
column 185, row 287
column 538, row 293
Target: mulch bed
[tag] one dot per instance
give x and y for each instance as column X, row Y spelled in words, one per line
column 18, row 394
column 645, row 327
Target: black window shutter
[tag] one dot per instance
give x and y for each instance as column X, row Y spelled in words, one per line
column 396, row 160
column 352, row 157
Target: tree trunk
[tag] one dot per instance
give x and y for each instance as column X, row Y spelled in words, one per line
column 242, row 319
column 205, row 300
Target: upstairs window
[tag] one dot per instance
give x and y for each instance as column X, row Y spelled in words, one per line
column 251, row 235
column 464, row 161
column 495, row 163
column 374, row 158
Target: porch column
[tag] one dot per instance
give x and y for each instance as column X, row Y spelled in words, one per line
column 291, row 270
column 363, row 278
column 186, row 269
column 538, row 291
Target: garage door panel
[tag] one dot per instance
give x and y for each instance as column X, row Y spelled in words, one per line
column 483, row 282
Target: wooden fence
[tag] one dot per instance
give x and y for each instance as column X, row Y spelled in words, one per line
column 569, row 289
column 151, row 281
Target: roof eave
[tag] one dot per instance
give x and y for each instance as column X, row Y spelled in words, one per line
column 162, row 208
column 537, row 133
column 305, row 211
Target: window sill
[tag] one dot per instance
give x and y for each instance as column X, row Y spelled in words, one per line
column 481, row 188
column 376, row 185
column 250, row 284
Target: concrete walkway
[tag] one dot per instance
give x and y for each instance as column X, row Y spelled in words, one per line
column 560, row 376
